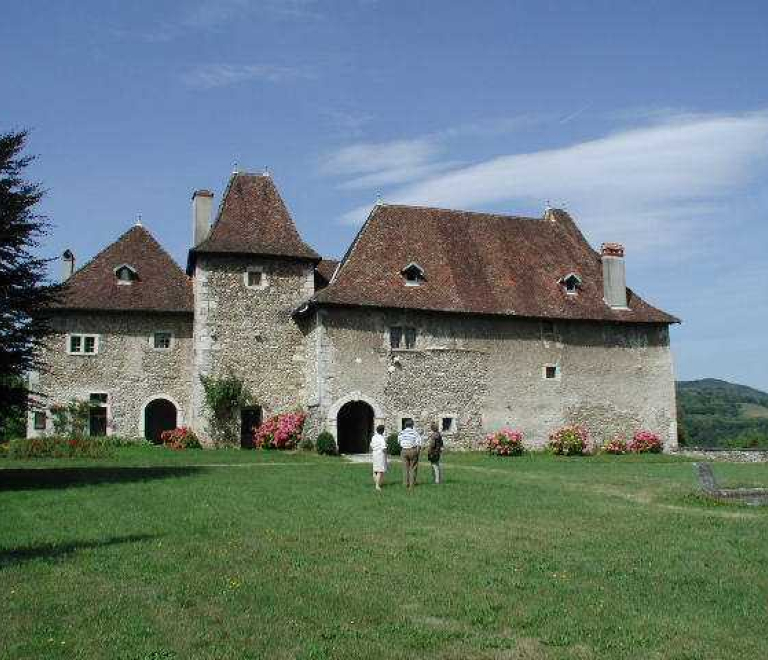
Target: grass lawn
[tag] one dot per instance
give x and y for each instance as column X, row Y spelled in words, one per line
column 159, row 554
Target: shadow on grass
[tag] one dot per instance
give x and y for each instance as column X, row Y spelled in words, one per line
column 41, row 478
column 54, row 551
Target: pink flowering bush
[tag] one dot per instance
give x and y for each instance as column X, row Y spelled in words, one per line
column 280, row 432
column 180, row 438
column 570, row 441
column 505, row 443
column 617, row 445
column 644, row 442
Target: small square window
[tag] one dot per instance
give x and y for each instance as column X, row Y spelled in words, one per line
column 447, row 424
column 255, row 277
column 89, row 344
column 39, row 420
column 550, row 371
column 395, row 336
column 404, row 421
column 161, row 341
column 98, row 399
column 75, row 344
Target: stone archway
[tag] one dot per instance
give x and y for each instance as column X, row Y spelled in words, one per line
column 160, row 414
column 331, row 420
column 354, row 427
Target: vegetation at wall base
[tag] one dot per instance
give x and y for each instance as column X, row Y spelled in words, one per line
column 59, row 447
column 393, row 445
column 716, row 413
column 225, row 396
column 326, row 444
column 170, row 559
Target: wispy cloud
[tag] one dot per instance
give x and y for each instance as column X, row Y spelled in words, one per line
column 646, row 185
column 208, row 76
column 211, row 15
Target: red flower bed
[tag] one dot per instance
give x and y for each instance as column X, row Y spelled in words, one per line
column 280, row 432
column 645, row 442
column 505, row 443
column 618, row 445
column 180, row 438
column 570, row 441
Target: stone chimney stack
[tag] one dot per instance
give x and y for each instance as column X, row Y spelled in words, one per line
column 67, row 265
column 614, row 275
column 202, row 205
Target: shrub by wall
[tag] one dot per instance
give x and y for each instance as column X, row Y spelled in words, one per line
column 505, row 443
column 59, row 447
column 570, row 441
column 180, row 438
column 393, row 446
column 645, row 442
column 280, row 432
column 326, row 444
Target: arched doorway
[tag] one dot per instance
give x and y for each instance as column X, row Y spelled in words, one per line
column 159, row 415
column 354, row 427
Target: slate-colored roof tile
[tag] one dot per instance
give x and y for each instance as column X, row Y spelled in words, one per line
column 161, row 286
column 478, row 263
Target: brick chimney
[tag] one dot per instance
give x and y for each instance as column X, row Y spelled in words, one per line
column 614, row 275
column 67, row 265
column 202, row 204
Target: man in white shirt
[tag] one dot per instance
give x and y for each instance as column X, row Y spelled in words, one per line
column 410, row 446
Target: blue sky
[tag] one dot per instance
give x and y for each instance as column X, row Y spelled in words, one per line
column 648, row 121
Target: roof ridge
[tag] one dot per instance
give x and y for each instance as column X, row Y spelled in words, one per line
column 107, row 246
column 506, row 216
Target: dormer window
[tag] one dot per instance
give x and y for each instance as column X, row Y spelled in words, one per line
column 126, row 274
column 413, row 274
column 571, row 283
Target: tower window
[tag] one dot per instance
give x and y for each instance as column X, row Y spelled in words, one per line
column 162, row 340
column 126, row 274
column 256, row 278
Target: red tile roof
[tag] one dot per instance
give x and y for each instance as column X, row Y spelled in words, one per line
column 161, row 285
column 477, row 263
column 253, row 219
column 324, row 272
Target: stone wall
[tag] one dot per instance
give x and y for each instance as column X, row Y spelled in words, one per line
column 489, row 373
column 250, row 331
column 127, row 367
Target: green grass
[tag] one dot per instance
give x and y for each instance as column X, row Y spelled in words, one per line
column 151, row 554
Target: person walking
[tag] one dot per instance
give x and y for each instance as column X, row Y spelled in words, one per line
column 410, row 446
column 379, row 456
column 435, row 451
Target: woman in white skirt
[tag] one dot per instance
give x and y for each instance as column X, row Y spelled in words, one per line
column 379, row 455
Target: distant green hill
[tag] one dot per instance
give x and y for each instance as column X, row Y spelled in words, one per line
column 716, row 413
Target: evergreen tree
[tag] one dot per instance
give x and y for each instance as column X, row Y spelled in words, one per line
column 24, row 293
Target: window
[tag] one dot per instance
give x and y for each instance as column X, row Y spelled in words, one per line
column 571, row 283
column 126, row 274
column 404, row 421
column 448, row 424
column 551, row 372
column 256, row 278
column 39, row 420
column 413, row 274
column 162, row 340
column 410, row 337
column 83, row 344
column 395, row 336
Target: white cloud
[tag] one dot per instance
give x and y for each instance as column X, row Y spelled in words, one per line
column 648, row 185
column 368, row 157
column 208, row 76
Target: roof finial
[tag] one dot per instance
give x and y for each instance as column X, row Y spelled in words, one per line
column 235, row 169
column 547, row 206
column 266, row 170
column 138, row 220
column 379, row 199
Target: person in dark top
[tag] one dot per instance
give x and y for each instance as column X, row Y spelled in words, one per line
column 434, row 451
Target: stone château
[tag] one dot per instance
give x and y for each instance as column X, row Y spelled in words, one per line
column 474, row 320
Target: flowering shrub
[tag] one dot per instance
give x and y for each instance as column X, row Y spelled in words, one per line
column 569, row 441
column 59, row 447
column 180, row 438
column 505, row 443
column 618, row 445
column 645, row 442
column 280, row 432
